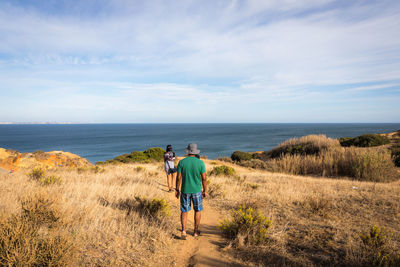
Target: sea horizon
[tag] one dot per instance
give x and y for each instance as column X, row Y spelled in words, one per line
column 102, row 141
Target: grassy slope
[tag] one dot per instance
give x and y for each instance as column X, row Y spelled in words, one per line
column 315, row 220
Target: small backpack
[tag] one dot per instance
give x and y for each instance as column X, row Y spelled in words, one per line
column 169, row 156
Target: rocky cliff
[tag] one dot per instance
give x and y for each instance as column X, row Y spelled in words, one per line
column 15, row 161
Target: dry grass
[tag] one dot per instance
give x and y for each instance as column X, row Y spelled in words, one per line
column 306, row 145
column 320, row 156
column 106, row 235
column 315, row 221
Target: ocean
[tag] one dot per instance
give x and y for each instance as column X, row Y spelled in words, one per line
column 99, row 142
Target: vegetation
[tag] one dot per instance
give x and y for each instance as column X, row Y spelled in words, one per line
column 306, row 145
column 321, row 156
column 376, row 248
column 241, row 156
column 151, row 154
column 94, row 218
column 222, row 170
column 322, row 218
column 37, row 173
column 366, row 140
column 155, row 153
column 23, row 241
column 50, row 180
column 215, row 190
column 154, row 208
column 246, row 226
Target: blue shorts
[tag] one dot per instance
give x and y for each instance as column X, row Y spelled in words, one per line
column 187, row 199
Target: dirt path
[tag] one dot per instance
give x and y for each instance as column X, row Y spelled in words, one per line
column 204, row 250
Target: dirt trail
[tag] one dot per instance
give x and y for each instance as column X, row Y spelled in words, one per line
column 204, row 250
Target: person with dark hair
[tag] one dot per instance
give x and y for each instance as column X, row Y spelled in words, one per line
column 169, row 165
column 192, row 182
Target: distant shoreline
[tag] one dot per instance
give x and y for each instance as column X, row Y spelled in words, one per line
column 183, row 123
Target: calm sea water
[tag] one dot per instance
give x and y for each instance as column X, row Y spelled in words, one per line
column 98, row 142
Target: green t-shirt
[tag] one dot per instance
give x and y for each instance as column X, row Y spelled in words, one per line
column 191, row 169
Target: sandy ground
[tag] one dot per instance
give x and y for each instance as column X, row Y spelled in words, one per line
column 205, row 250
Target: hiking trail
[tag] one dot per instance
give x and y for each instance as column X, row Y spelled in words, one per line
column 205, row 250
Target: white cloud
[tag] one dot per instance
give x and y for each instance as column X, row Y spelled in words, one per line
column 222, row 53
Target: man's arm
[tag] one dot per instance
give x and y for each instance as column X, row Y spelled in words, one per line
column 204, row 183
column 178, row 184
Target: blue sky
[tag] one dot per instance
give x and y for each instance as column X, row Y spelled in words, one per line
column 200, row 61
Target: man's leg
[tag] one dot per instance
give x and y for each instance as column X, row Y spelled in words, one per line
column 183, row 221
column 197, row 217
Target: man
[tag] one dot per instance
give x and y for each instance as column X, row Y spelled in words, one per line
column 192, row 176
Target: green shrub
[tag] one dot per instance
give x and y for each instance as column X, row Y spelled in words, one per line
column 376, row 248
column 248, row 224
column 241, row 156
column 155, row 153
column 366, row 140
column 138, row 156
column 155, row 208
column 124, row 158
column 223, row 170
column 50, row 180
column 37, row 173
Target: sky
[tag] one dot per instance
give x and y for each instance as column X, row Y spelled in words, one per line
column 126, row 61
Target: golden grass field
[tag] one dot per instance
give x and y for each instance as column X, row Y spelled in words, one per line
column 86, row 219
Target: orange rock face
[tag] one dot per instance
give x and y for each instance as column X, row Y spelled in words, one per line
column 11, row 160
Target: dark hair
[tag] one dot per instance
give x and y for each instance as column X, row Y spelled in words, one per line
column 169, row 148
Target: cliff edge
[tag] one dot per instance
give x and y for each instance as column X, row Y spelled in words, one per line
column 12, row 160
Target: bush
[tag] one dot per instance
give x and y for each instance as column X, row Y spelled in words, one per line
column 25, row 240
column 306, row 145
column 222, row 170
column 37, row 173
column 124, row 158
column 50, row 180
column 376, row 248
column 40, row 209
column 246, row 224
column 155, row 153
column 154, row 208
column 366, row 140
column 241, row 156
column 215, row 190
column 138, row 156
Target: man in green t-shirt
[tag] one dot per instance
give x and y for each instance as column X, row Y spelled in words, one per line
column 192, row 176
